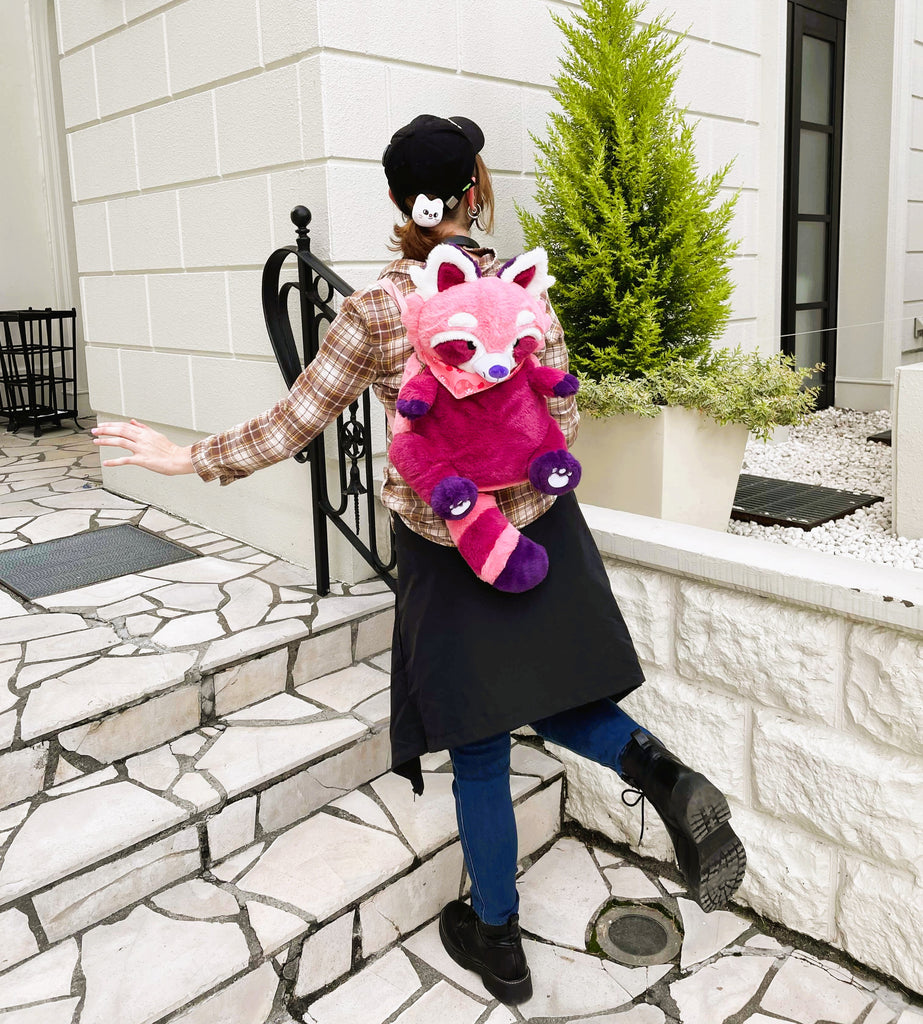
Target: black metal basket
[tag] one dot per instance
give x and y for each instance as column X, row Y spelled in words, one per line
column 38, row 367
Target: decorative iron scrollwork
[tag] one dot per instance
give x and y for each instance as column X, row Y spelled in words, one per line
column 317, row 287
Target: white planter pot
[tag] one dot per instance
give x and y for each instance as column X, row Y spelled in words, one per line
column 680, row 465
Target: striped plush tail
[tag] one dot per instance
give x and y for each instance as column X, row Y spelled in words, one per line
column 497, row 552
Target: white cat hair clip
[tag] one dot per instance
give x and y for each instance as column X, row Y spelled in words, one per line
column 427, row 212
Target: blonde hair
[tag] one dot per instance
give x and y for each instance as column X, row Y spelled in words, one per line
column 415, row 243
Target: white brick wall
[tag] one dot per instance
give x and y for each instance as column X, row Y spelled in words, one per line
column 131, row 67
column 189, row 312
column 210, row 40
column 194, row 126
column 144, row 232
column 189, row 122
column 805, row 713
column 257, row 121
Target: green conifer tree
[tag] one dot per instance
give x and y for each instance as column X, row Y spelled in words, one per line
column 637, row 239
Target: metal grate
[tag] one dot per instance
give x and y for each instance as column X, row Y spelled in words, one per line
column 638, row 934
column 38, row 570
column 773, row 502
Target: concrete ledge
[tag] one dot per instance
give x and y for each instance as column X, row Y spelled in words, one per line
column 831, row 583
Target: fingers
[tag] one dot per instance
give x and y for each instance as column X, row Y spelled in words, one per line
column 148, row 449
column 114, row 440
column 133, row 429
column 121, row 435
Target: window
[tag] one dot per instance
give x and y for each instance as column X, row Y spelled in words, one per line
column 814, row 129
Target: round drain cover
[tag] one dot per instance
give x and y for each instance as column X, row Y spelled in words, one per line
column 638, row 935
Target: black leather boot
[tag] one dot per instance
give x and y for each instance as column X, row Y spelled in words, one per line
column 493, row 951
column 709, row 854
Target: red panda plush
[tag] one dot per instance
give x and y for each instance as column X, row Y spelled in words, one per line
column 472, row 414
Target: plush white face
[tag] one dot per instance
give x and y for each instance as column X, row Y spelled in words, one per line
column 500, row 326
column 483, row 326
column 427, row 212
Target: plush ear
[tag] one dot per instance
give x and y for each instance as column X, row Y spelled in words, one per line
column 529, row 271
column 446, row 266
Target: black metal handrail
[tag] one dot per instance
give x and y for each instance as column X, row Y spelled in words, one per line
column 317, row 286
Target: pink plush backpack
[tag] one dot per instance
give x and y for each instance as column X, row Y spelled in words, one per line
column 472, row 414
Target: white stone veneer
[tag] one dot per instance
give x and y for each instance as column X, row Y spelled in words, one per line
column 794, row 679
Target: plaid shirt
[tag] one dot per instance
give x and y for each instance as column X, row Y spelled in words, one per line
column 366, row 345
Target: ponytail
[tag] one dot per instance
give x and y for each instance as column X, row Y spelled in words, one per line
column 415, row 243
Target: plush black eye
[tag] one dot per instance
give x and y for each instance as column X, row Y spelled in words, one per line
column 471, row 346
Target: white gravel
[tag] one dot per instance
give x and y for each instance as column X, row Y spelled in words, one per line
column 831, row 450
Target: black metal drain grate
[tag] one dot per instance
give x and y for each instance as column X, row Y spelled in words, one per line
column 638, row 934
column 38, row 570
column 771, row 502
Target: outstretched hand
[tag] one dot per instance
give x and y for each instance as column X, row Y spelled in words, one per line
column 148, row 448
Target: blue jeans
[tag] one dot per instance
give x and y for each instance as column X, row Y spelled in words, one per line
column 484, row 805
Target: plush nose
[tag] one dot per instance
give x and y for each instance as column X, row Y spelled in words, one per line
column 498, row 372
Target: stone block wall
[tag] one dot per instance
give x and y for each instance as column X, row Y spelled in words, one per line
column 194, row 127
column 805, row 710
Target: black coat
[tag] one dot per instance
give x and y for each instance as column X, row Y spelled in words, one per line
column 469, row 661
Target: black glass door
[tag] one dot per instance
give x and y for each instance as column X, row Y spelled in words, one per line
column 812, row 187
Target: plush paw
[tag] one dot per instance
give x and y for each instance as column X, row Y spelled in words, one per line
column 567, row 385
column 412, row 408
column 526, row 567
column 555, row 472
column 454, row 497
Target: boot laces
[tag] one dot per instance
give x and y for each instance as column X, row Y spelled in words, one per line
column 631, row 798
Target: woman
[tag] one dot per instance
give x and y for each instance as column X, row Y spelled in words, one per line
column 469, row 662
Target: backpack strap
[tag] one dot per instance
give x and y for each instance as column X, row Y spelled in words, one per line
column 394, row 291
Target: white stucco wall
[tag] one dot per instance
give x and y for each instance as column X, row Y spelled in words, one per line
column 195, row 127
column 36, row 261
column 881, row 266
column 27, row 276
column 913, row 280
column 791, row 679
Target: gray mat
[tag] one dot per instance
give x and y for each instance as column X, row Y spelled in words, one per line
column 38, row 570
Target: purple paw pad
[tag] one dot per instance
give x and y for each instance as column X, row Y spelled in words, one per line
column 526, row 568
column 412, row 408
column 567, row 385
column 555, row 472
column 454, row 497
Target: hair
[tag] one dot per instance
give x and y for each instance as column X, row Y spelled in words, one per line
column 415, row 243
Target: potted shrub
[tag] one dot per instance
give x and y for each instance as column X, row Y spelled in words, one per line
column 639, row 243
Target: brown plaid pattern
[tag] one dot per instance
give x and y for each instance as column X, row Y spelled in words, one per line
column 366, row 346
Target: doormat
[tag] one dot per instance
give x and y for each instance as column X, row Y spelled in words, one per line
column 770, row 502
column 54, row 566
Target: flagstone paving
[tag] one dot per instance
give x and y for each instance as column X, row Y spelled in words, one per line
column 197, row 825
column 729, row 970
column 95, row 674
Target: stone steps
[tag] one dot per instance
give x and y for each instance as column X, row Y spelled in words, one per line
column 81, row 693
column 197, row 823
column 155, row 817
column 277, row 921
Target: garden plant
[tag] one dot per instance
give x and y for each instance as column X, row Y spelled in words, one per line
column 639, row 240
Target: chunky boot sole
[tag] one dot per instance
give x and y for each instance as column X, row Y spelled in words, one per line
column 711, row 856
column 510, row 992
